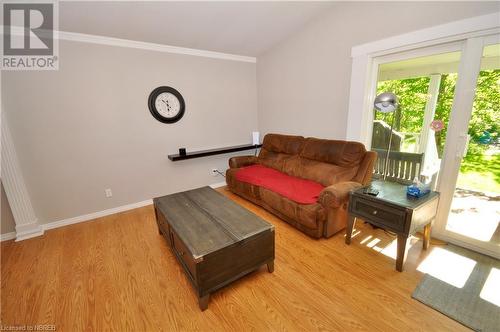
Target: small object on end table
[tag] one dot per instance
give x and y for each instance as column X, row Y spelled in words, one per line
column 371, row 191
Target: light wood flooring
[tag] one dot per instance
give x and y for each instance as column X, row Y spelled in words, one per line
column 116, row 273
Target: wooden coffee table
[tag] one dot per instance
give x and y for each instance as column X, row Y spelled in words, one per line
column 215, row 240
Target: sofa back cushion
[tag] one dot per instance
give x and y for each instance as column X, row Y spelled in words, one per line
column 340, row 153
column 320, row 160
column 324, row 173
column 327, row 161
column 277, row 149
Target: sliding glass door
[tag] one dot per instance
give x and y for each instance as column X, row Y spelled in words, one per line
column 469, row 212
column 446, row 132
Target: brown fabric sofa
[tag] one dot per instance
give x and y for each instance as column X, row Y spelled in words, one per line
column 339, row 166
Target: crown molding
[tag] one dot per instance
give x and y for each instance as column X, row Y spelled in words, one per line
column 118, row 42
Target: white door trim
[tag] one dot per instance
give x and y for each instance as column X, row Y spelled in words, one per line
column 362, row 85
column 438, row 34
column 456, row 143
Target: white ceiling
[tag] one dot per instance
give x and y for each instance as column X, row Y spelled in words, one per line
column 244, row 28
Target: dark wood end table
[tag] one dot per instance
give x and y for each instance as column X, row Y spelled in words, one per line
column 393, row 210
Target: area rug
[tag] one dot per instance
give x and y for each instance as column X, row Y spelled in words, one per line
column 475, row 304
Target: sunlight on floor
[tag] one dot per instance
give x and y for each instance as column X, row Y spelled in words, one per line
column 491, row 288
column 447, row 266
column 475, row 215
column 389, row 250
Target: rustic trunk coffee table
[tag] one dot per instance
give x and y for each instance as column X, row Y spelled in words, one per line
column 215, row 240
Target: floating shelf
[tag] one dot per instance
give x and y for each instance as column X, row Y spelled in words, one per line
column 212, row 152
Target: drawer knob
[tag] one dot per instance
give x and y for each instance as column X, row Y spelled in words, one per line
column 374, row 212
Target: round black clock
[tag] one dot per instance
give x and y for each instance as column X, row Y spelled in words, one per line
column 166, row 104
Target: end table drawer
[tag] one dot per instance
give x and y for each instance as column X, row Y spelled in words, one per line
column 385, row 215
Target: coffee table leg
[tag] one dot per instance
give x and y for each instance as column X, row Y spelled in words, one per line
column 348, row 231
column 427, row 236
column 402, row 251
column 270, row 267
column 203, row 302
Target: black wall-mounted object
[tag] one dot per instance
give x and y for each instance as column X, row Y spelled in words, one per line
column 211, row 152
column 166, row 104
column 182, row 151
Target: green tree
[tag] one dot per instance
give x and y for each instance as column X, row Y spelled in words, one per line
column 412, row 94
column 486, row 109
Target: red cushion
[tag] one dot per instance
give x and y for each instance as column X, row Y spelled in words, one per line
column 298, row 190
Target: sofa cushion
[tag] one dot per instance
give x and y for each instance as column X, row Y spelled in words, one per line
column 298, row 190
column 310, row 216
column 277, row 149
column 321, row 172
column 340, row 153
column 283, row 143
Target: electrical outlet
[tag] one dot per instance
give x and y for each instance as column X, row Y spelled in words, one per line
column 108, row 193
column 215, row 171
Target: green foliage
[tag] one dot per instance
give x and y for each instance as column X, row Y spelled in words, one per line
column 412, row 94
column 486, row 112
column 443, row 108
column 480, row 169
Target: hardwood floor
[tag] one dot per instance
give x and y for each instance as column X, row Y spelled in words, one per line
column 117, row 273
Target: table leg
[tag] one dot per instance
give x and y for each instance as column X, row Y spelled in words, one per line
column 402, row 251
column 203, row 302
column 427, row 236
column 348, row 231
column 270, row 267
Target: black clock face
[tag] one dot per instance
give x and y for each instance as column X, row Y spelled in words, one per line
column 166, row 104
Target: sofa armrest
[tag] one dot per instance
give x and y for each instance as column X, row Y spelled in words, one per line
column 242, row 161
column 335, row 195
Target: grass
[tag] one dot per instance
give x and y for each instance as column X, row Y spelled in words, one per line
column 480, row 169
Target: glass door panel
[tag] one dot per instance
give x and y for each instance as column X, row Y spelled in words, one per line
column 475, row 207
column 425, row 88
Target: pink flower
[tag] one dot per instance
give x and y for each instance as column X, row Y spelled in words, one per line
column 437, row 125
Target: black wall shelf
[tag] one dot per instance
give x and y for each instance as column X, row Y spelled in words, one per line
column 212, row 152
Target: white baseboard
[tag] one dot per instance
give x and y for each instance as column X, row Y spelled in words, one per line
column 28, row 230
column 24, row 235
column 84, row 218
column 7, row 236
column 95, row 215
column 218, row 185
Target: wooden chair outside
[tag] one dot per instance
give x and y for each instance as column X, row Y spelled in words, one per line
column 403, row 167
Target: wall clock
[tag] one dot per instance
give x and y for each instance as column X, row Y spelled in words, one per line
column 166, row 104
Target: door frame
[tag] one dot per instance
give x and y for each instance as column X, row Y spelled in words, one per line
column 456, row 142
column 456, row 46
column 472, row 34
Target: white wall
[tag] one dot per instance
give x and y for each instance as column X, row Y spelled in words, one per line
column 303, row 82
column 87, row 127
